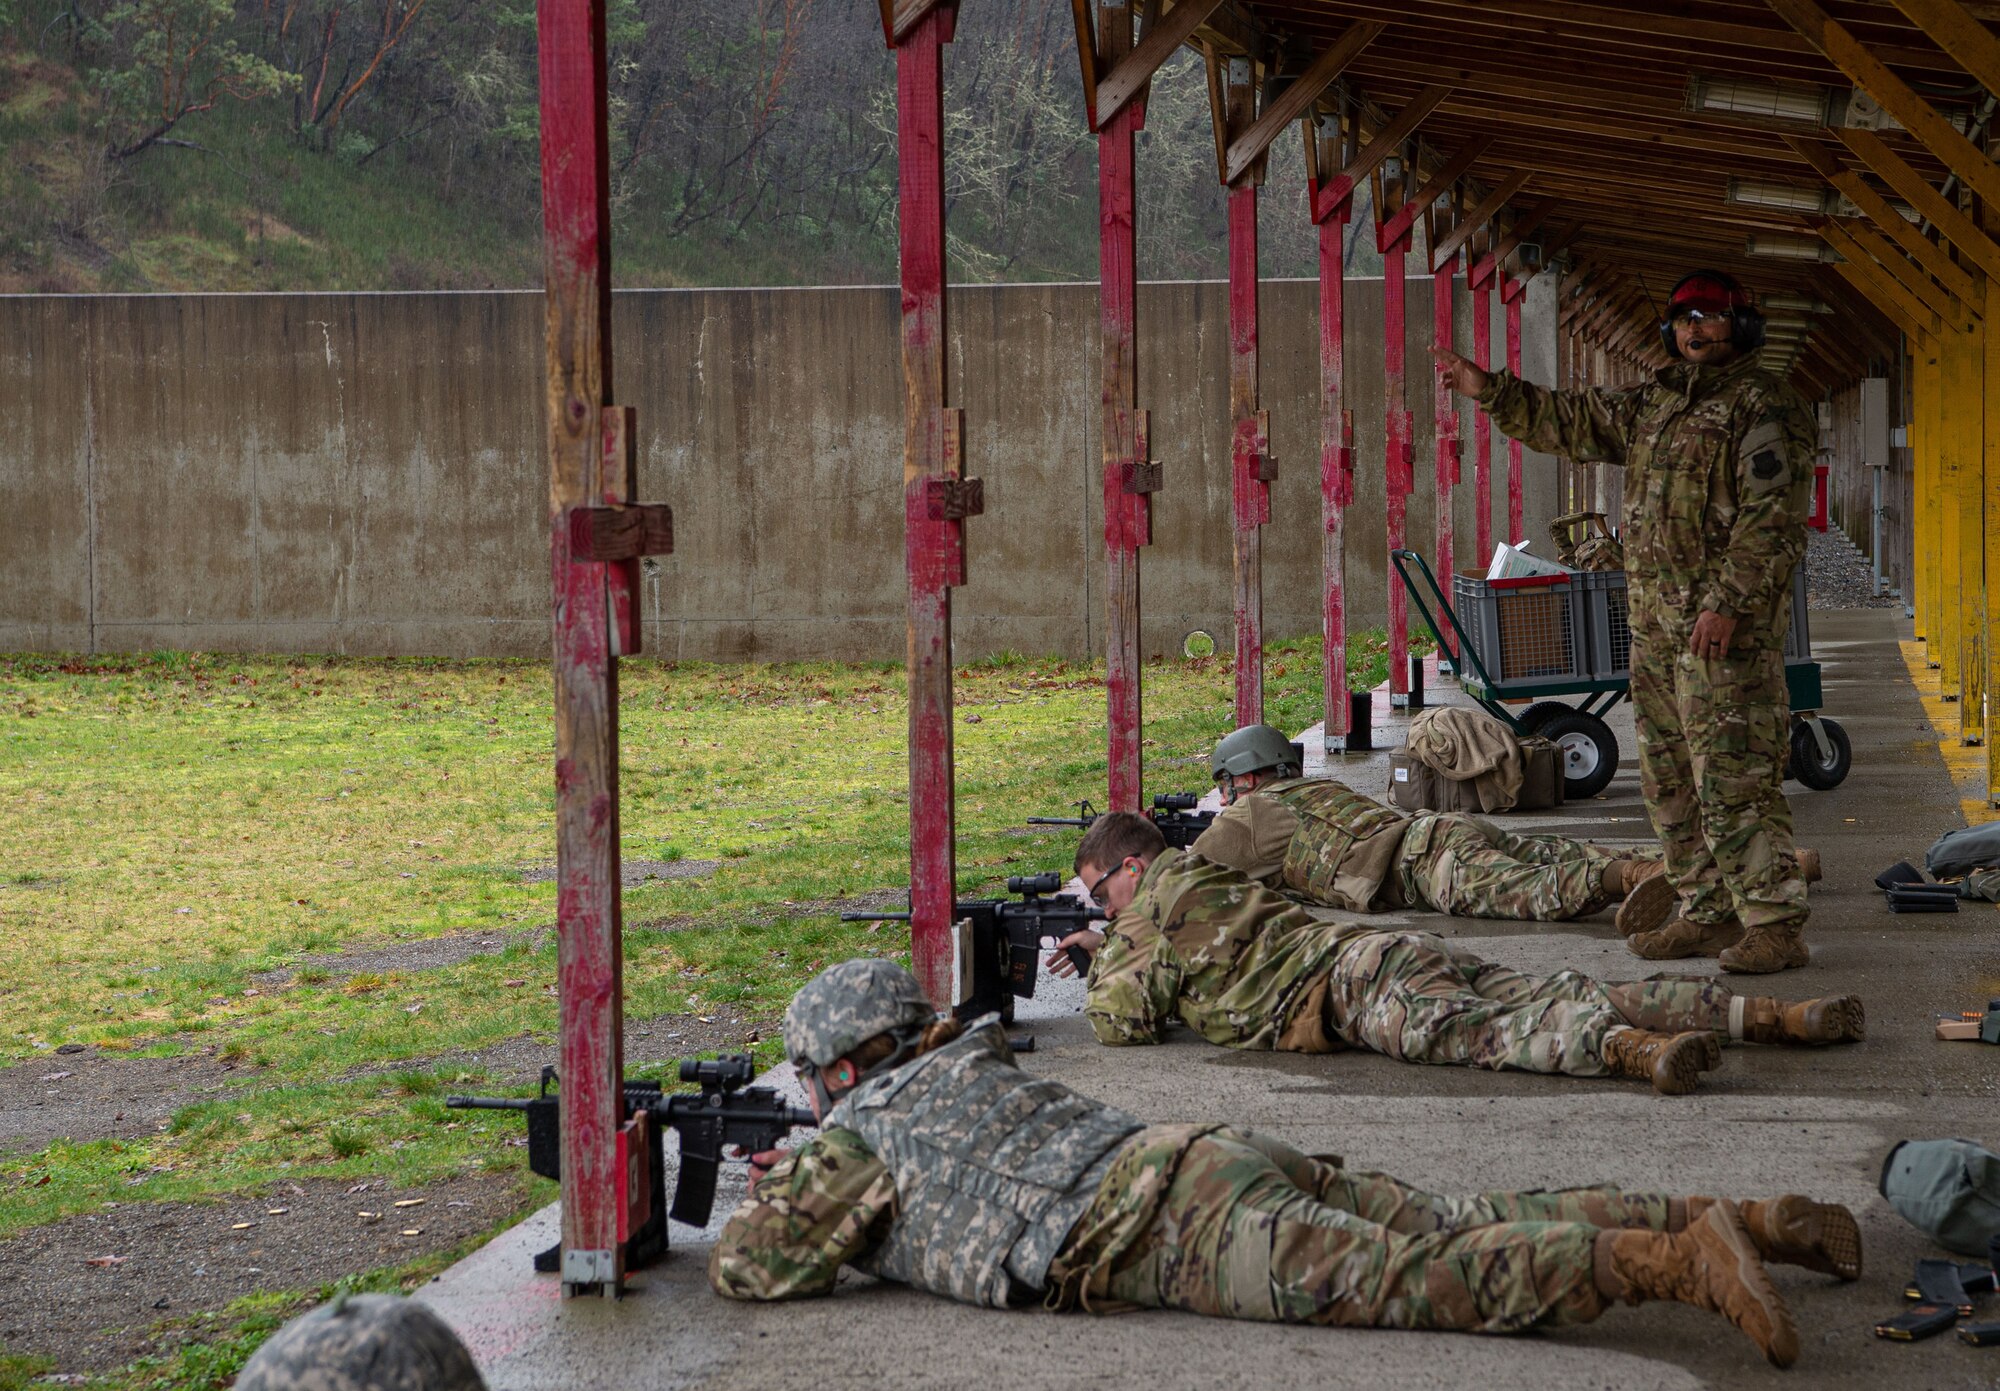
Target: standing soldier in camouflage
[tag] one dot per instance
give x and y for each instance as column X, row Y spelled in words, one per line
column 943, row 1166
column 1321, row 842
column 1718, row 456
column 1247, row 968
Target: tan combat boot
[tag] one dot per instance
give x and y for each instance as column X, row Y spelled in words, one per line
column 1808, row 865
column 1671, row 1062
column 1795, row 1230
column 1765, row 949
column 1712, row 1265
column 1829, row 1019
column 1648, row 903
column 1681, row 938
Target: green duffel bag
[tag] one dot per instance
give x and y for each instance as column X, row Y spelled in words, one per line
column 1947, row 1189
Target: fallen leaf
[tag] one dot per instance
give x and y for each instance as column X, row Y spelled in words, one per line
column 57, row 1076
column 417, row 1008
column 510, row 984
column 107, row 1260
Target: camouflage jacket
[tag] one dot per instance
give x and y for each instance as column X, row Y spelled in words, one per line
column 1237, row 962
column 1719, row 471
column 1313, row 839
column 831, row 1203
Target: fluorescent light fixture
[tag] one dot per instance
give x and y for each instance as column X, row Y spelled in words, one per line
column 1808, row 103
column 1788, row 248
column 1804, row 304
column 1762, row 193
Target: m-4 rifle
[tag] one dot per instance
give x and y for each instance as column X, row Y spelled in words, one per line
column 1000, row 953
column 1173, row 812
column 728, row 1112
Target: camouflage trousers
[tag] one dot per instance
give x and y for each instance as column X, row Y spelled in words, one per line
column 1415, row 999
column 1466, row 865
column 1249, row 1228
column 1713, row 736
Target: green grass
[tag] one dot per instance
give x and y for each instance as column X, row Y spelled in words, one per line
column 186, row 831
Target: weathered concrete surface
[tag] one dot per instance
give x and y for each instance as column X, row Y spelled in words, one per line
column 365, row 473
column 1769, row 1120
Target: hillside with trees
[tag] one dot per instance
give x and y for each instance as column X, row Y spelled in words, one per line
column 392, row 144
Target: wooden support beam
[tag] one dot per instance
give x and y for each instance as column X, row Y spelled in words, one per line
column 1445, row 440
column 1934, row 206
column 1890, row 299
column 1336, row 450
column 1524, row 225
column 1250, row 444
column 901, row 17
column 1896, row 96
column 1129, row 77
column 1858, row 243
column 1482, row 212
column 1122, row 428
column 1086, row 57
column 933, row 546
column 1399, row 452
column 1857, row 191
column 1954, row 29
column 576, row 224
column 1436, row 186
column 1245, row 149
column 1387, row 141
column 1511, row 304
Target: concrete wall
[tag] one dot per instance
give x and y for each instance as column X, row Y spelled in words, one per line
column 364, row 473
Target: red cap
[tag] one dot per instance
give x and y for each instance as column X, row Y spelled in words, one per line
column 1708, row 295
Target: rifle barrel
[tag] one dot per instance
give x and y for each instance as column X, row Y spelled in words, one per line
column 1057, row 821
column 485, row 1103
column 874, row 917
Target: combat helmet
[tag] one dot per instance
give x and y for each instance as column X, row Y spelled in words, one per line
column 1255, row 748
column 369, row 1342
column 846, row 1005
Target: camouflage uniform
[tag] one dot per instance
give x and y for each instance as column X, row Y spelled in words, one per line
column 1718, row 482
column 1323, row 843
column 1201, row 1218
column 1246, row 968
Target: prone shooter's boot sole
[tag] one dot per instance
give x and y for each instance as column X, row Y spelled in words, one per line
column 1648, row 906
column 1795, row 1230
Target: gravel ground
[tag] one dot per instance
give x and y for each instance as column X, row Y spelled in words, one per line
column 99, row 1289
column 1838, row 575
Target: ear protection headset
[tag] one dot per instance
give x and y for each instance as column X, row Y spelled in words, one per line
column 1746, row 325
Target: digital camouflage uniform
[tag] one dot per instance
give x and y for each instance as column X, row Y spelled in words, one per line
column 1718, row 482
column 1323, row 843
column 1246, row 968
column 1194, row 1217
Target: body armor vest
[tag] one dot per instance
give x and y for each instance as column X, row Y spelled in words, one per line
column 1345, row 846
column 992, row 1167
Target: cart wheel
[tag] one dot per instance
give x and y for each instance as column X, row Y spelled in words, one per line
column 1540, row 713
column 1589, row 752
column 1814, row 769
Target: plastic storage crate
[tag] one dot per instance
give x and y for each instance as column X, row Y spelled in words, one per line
column 1526, row 632
column 1607, row 622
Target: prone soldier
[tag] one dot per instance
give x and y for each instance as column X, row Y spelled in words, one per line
column 941, row 1165
column 1323, row 843
column 1246, row 967
column 1718, row 457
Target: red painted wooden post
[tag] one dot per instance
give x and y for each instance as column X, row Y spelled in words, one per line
column 1400, row 432
column 577, row 267
column 1249, row 448
column 934, row 554
column 1336, row 453
column 1128, row 480
column 1510, row 296
column 1482, row 439
column 1444, row 424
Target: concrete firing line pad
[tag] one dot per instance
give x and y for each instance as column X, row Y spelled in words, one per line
column 1769, row 1120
